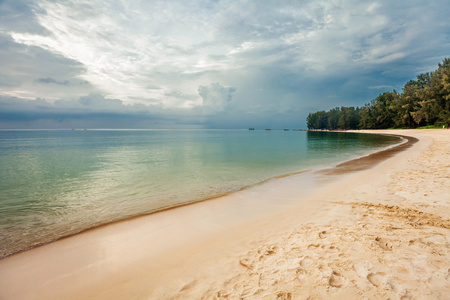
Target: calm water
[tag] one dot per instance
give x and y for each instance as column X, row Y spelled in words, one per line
column 57, row 183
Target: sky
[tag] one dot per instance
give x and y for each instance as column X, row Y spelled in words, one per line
column 207, row 63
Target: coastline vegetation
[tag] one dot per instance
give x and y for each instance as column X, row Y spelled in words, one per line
column 424, row 103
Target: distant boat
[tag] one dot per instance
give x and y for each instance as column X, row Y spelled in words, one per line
column 268, row 129
column 251, row 128
column 286, row 130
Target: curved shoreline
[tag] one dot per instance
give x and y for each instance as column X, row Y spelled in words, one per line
column 368, row 161
column 161, row 257
column 357, row 164
column 351, row 165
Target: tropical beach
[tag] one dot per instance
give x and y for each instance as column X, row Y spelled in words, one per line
column 215, row 149
column 380, row 232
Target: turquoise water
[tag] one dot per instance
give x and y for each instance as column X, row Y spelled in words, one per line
column 57, row 183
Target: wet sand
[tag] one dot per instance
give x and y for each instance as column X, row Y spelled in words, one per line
column 366, row 162
column 380, row 231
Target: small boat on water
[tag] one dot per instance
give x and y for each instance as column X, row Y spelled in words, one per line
column 251, row 128
column 268, row 129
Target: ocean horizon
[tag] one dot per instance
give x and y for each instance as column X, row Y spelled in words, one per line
column 56, row 183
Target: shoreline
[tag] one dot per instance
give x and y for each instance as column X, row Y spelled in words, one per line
column 345, row 166
column 190, row 271
column 372, row 159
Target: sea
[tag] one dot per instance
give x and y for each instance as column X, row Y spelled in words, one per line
column 56, row 183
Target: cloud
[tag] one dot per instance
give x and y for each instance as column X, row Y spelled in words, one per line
column 381, row 87
column 52, row 80
column 120, row 58
column 20, row 16
column 215, row 97
column 90, row 111
column 22, row 64
column 268, row 61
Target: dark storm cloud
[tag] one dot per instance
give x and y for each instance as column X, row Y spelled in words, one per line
column 91, row 111
column 20, row 16
column 52, row 80
column 210, row 63
column 29, row 71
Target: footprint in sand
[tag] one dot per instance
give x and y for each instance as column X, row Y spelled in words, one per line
column 284, row 296
column 313, row 246
column 384, row 243
column 222, row 294
column 336, row 280
column 377, row 279
column 362, row 269
column 268, row 250
column 307, row 262
column 323, row 234
column 245, row 262
column 301, row 275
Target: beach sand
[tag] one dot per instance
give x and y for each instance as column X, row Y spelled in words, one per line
column 376, row 232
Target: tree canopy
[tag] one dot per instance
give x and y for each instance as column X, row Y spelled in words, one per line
column 423, row 102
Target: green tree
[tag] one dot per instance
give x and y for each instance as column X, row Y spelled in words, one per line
column 440, row 84
column 424, row 101
column 349, row 118
column 403, row 106
column 333, row 118
column 366, row 121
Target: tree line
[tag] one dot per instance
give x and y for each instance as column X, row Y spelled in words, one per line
column 423, row 102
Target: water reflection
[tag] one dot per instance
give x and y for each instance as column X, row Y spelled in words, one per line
column 56, row 183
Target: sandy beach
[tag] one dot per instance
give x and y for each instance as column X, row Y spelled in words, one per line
column 376, row 232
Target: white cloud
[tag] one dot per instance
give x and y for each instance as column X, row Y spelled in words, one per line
column 381, row 87
column 165, row 54
column 122, row 50
column 215, row 97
